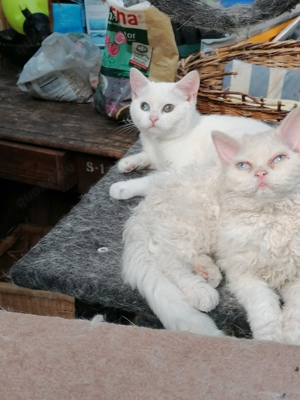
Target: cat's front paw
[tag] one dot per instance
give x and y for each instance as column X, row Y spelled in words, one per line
column 202, row 296
column 120, row 191
column 126, row 165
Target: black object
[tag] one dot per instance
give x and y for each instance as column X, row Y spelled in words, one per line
column 36, row 26
column 17, row 48
column 20, row 48
column 187, row 39
column 186, row 34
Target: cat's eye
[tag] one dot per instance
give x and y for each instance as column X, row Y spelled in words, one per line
column 168, row 108
column 145, row 106
column 279, row 158
column 243, row 166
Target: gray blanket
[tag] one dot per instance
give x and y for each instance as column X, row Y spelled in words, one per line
column 199, row 14
column 67, row 260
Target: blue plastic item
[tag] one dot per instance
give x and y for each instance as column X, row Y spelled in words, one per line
column 68, row 18
column 228, row 3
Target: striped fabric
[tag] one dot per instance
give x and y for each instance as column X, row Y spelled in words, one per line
column 260, row 81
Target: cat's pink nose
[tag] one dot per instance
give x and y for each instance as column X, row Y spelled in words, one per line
column 260, row 174
column 153, row 120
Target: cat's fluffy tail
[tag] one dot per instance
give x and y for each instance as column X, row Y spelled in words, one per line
column 165, row 299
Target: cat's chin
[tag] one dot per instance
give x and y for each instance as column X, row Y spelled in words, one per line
column 260, row 193
column 264, row 190
column 154, row 130
column 266, row 195
column 160, row 133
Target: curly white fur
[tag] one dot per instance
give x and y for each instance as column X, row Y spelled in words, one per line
column 164, row 249
column 259, row 241
column 246, row 216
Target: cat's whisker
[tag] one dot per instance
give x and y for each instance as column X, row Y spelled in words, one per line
column 127, row 128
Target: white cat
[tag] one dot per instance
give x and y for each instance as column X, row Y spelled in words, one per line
column 245, row 215
column 172, row 132
column 167, row 243
column 259, row 237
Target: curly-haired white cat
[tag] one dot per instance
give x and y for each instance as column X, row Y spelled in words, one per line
column 243, row 217
column 168, row 242
column 259, row 232
column 172, row 132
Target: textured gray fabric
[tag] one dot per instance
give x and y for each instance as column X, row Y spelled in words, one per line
column 67, row 261
column 199, row 14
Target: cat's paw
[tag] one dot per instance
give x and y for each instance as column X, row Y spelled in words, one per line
column 212, row 275
column 272, row 331
column 208, row 270
column 201, row 324
column 201, row 296
column 134, row 162
column 291, row 328
column 126, row 165
column 214, row 278
column 120, row 191
column 269, row 336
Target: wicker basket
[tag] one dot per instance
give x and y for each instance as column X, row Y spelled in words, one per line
column 212, row 99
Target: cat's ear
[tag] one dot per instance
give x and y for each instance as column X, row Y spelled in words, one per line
column 137, row 82
column 189, row 85
column 226, row 147
column 290, row 129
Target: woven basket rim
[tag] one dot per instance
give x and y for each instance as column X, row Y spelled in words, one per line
column 210, row 64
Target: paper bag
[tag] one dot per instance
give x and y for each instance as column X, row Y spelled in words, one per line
column 138, row 36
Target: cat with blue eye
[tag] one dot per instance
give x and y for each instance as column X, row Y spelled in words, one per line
column 172, row 132
column 240, row 215
column 258, row 244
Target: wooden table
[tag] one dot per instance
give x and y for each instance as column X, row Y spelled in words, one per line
column 55, row 145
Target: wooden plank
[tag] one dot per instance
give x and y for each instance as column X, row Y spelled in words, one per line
column 68, row 126
column 19, row 299
column 38, row 166
column 17, row 243
column 38, row 302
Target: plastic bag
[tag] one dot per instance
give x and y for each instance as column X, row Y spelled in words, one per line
column 61, row 69
column 137, row 36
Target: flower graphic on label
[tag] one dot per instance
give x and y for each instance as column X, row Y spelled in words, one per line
column 120, row 38
column 113, row 49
